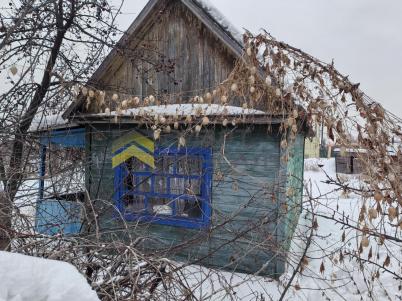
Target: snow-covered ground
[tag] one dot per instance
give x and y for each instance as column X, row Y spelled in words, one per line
column 326, row 276
column 26, row 278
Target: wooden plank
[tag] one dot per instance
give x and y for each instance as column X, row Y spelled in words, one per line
column 165, row 237
column 142, row 24
column 215, row 27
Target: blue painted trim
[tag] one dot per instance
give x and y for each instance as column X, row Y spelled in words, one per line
column 64, row 138
column 205, row 189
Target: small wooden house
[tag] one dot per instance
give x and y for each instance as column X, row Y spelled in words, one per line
column 312, row 144
column 222, row 194
column 349, row 161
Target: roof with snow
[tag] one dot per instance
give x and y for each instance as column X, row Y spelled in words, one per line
column 187, row 109
column 53, row 122
column 43, row 122
column 179, row 112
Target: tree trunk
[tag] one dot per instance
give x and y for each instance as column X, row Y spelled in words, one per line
column 16, row 163
column 5, row 221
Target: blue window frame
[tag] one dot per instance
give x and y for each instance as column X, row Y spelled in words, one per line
column 176, row 192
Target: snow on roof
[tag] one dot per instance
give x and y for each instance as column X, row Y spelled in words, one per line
column 31, row 278
column 42, row 122
column 219, row 18
column 351, row 150
column 187, row 109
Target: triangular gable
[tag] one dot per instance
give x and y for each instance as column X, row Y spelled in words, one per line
column 204, row 11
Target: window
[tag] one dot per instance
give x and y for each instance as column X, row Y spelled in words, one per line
column 176, row 192
column 61, row 182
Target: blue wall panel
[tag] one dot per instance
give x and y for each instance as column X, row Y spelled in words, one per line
column 58, row 216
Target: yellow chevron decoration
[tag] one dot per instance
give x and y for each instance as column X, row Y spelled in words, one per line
column 133, row 144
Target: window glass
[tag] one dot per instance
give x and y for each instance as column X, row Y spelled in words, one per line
column 160, row 206
column 134, row 203
column 189, row 165
column 144, row 183
column 177, row 186
column 165, row 164
column 189, row 208
column 161, row 184
column 173, row 191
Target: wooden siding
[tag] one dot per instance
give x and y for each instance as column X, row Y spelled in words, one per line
column 312, row 144
column 294, row 185
column 197, row 58
column 252, row 208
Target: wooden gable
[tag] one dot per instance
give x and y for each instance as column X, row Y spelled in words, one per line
column 173, row 50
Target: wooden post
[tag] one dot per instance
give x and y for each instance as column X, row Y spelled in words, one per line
column 329, row 151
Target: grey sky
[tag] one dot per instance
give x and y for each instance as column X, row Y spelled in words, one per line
column 362, row 36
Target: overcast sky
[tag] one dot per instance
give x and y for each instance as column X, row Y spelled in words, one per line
column 363, row 36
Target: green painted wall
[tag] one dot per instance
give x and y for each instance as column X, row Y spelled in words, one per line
column 294, row 185
column 244, row 230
